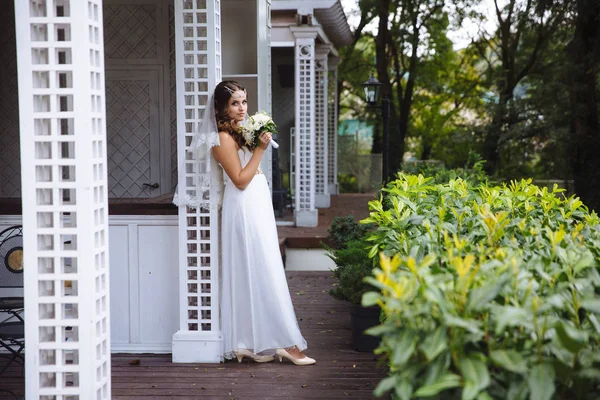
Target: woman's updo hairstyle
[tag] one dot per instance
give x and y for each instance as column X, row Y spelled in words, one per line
column 223, row 93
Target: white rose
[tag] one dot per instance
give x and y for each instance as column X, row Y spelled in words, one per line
column 261, row 119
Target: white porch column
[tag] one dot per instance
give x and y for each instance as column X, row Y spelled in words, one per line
column 322, row 197
column 305, row 213
column 198, row 70
column 60, row 57
column 264, row 77
column 332, row 116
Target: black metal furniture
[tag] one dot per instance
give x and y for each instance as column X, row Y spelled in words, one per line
column 12, row 338
column 12, row 324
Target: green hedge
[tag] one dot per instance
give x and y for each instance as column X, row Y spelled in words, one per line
column 488, row 292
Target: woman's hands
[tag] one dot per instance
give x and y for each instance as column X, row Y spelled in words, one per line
column 264, row 139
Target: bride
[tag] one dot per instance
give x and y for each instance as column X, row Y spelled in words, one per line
column 258, row 319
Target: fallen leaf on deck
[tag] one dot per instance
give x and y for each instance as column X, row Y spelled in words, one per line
column 304, row 385
column 135, row 362
column 221, row 368
column 300, row 293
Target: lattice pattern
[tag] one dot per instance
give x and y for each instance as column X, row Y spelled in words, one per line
column 130, row 31
column 321, row 125
column 65, row 202
column 198, row 48
column 332, row 130
column 10, row 161
column 268, row 170
column 173, row 97
column 305, row 139
column 129, row 115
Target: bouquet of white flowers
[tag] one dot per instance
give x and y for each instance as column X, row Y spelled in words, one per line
column 254, row 126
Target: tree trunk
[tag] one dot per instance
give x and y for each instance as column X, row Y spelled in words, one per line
column 586, row 126
column 384, row 77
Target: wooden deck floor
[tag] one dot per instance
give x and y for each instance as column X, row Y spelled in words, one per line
column 340, row 372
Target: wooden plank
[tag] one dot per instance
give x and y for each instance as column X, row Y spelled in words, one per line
column 340, row 372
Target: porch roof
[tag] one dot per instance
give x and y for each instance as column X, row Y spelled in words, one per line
column 329, row 13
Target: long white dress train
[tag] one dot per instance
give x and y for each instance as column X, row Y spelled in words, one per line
column 257, row 312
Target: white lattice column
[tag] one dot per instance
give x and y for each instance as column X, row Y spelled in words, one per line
column 332, row 116
column 198, row 70
column 65, row 203
column 322, row 198
column 264, row 76
column 305, row 213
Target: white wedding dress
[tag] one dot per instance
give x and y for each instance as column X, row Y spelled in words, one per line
column 257, row 312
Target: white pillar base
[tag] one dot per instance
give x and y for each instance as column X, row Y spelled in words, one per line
column 333, row 189
column 322, row 200
column 196, row 347
column 306, row 219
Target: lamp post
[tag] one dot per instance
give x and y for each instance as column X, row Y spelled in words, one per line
column 371, row 87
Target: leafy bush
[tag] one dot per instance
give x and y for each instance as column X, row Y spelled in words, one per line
column 344, row 230
column 472, row 172
column 350, row 252
column 353, row 265
column 347, row 183
column 488, row 292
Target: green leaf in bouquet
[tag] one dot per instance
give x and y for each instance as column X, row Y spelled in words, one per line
column 570, row 337
column 446, row 381
column 510, row 360
column 476, row 376
column 541, row 382
column 435, row 343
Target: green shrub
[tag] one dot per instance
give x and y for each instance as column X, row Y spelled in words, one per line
column 488, row 292
column 350, row 252
column 473, row 171
column 347, row 183
column 353, row 265
column 344, row 230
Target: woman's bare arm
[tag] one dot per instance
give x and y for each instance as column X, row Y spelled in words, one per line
column 227, row 155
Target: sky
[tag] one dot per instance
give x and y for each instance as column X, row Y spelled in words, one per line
column 460, row 37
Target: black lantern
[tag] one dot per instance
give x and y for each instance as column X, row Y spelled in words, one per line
column 372, row 96
column 371, row 90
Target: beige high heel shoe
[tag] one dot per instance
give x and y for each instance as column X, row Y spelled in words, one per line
column 282, row 353
column 241, row 353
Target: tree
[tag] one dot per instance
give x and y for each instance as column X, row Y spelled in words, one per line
column 585, row 130
column 524, row 30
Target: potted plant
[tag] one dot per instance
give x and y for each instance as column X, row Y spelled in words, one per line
column 350, row 253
